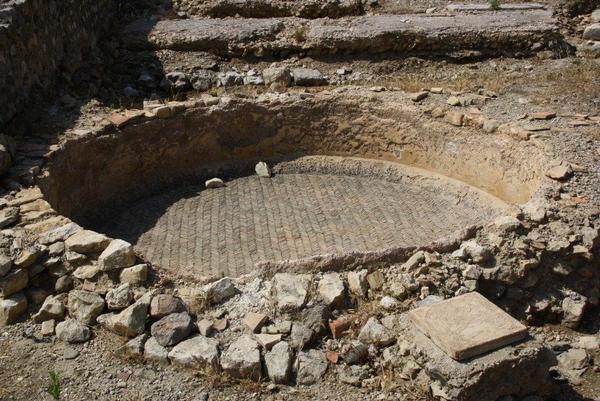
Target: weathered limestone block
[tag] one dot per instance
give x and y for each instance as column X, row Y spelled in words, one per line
column 85, row 306
column 242, row 359
column 197, row 352
column 86, row 241
column 513, row 370
column 290, row 291
column 11, row 308
column 118, row 255
column 13, row 282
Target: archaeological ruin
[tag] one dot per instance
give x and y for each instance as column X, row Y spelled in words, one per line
column 300, row 199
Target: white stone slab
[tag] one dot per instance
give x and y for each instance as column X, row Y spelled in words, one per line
column 467, row 325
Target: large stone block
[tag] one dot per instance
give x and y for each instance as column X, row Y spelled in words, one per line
column 86, row 241
column 118, row 255
column 13, row 282
column 467, row 326
column 516, row 370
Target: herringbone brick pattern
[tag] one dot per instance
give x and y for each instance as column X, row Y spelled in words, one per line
column 226, row 231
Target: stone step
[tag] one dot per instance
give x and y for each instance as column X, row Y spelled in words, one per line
column 329, row 8
column 269, row 8
column 487, row 34
column 480, row 7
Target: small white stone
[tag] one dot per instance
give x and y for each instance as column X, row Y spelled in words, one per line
column 357, row 282
column 290, row 291
column 263, row 170
column 331, row 288
column 214, row 183
column 134, row 275
column 375, row 333
column 196, row 352
column 388, row 302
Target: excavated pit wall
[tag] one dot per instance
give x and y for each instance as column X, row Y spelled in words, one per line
column 92, row 177
column 42, row 40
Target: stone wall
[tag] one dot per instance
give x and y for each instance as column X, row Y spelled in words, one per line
column 41, row 40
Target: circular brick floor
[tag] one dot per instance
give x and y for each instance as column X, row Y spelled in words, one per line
column 225, row 231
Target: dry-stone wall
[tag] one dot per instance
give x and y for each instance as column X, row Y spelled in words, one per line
column 41, row 40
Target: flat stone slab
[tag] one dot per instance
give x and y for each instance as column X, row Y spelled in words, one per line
column 269, row 8
column 203, row 34
column 467, row 326
column 486, row 7
column 500, row 32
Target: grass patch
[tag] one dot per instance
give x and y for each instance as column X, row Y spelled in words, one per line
column 300, row 34
column 54, row 387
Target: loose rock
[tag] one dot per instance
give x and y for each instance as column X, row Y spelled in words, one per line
column 171, row 329
column 135, row 275
column 48, row 327
column 331, row 289
column 135, row 346
column 131, row 322
column 267, row 341
column 205, row 327
column 375, row 333
column 52, row 309
column 197, row 352
column 418, row 96
column 242, row 359
column 454, row 118
column 357, row 283
column 72, row 331
column 592, row 32
column 263, row 170
column 300, row 336
column 214, row 183
column 573, row 361
column 560, row 172
column 290, row 291
column 277, row 75
column 507, row 223
column 255, row 321
column 476, row 252
column 573, row 309
column 119, row 254
column 8, row 216
column 85, row 306
column 13, row 282
column 165, row 304
column 312, row 365
column 308, row 77
column 120, row 297
column 58, row 234
column 220, row 291
column 5, row 264
column 155, row 352
column 278, row 363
